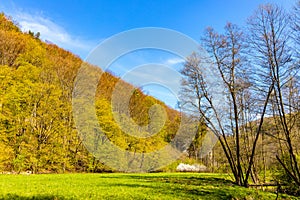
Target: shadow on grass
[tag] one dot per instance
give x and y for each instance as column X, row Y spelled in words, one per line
column 189, row 187
column 37, row 197
column 197, row 181
column 183, row 192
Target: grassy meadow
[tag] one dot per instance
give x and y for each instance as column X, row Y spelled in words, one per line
column 127, row 186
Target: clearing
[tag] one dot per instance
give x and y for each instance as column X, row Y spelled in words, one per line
column 127, row 186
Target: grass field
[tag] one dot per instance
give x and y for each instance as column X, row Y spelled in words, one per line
column 126, row 186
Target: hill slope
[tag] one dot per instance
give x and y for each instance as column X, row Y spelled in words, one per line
column 37, row 130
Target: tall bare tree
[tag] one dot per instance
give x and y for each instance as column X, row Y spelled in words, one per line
column 269, row 40
column 228, row 116
column 296, row 26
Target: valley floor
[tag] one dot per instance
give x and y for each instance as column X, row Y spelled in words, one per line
column 127, row 186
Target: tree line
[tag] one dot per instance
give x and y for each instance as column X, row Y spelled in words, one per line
column 257, row 120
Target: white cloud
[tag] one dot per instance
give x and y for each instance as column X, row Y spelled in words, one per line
column 174, row 61
column 53, row 32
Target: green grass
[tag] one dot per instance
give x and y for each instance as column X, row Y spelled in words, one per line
column 126, row 186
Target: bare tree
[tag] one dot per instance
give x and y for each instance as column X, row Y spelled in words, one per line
column 296, row 26
column 269, row 40
column 228, row 116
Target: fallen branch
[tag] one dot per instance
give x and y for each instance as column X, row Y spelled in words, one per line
column 265, row 185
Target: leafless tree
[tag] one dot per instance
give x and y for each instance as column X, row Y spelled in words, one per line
column 226, row 117
column 270, row 41
column 296, row 26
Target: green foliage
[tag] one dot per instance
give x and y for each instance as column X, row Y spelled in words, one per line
column 281, row 176
column 37, row 130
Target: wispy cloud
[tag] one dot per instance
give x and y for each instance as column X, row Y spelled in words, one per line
column 174, row 61
column 53, row 32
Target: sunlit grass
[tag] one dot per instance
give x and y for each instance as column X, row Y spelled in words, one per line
column 126, row 186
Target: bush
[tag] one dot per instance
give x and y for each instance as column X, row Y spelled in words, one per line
column 173, row 166
column 287, row 184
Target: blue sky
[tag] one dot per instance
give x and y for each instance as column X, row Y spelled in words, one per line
column 80, row 26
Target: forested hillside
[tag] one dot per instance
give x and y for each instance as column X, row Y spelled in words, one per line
column 37, row 131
